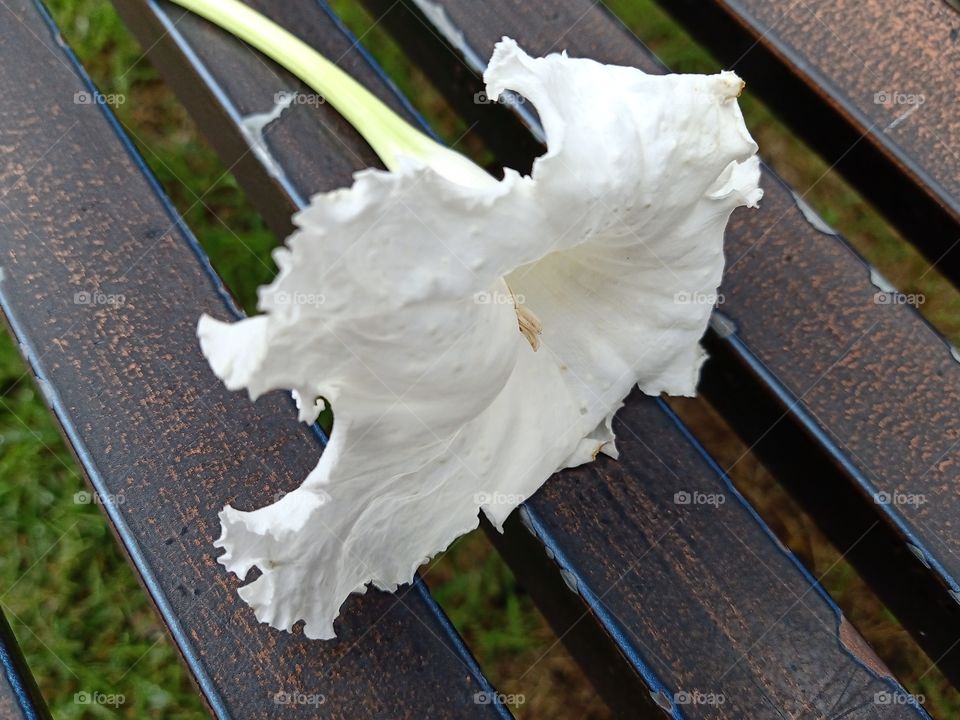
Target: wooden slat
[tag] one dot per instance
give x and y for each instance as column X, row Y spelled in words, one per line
column 844, row 397
column 871, row 85
column 162, row 442
column 19, row 697
column 697, row 598
column 689, row 612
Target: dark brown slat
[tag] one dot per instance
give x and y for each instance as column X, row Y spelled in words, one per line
column 841, row 73
column 784, row 667
column 800, row 331
column 704, row 596
column 151, row 424
column 19, row 697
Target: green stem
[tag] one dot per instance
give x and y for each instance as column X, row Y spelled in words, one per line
column 388, row 134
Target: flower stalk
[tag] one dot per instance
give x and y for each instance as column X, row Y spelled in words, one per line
column 390, row 136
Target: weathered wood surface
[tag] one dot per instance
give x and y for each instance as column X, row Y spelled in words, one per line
column 868, row 389
column 102, row 286
column 871, row 85
column 662, row 555
column 693, row 611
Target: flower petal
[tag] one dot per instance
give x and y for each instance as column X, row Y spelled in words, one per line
column 390, row 304
column 396, row 302
column 659, row 164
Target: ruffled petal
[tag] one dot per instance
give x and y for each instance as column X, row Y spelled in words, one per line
column 340, row 531
column 656, row 165
column 401, row 300
column 390, row 304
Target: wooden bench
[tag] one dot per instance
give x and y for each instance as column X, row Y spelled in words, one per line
column 848, row 76
column 149, row 422
column 843, row 398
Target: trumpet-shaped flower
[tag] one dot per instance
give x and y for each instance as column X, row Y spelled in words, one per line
column 475, row 336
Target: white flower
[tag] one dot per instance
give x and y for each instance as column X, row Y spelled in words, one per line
column 475, row 336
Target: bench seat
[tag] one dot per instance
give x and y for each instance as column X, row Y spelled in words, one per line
column 151, row 424
column 677, row 601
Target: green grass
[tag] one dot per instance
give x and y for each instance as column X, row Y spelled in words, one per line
column 76, row 607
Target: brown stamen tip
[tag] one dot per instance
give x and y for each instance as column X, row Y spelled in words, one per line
column 530, row 325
